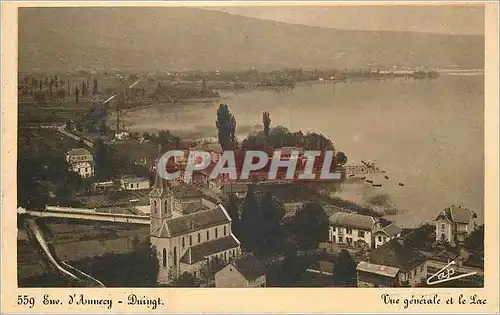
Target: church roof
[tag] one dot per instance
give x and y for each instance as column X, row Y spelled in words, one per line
column 199, row 252
column 194, row 222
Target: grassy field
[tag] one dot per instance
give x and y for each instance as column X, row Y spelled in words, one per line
column 75, row 240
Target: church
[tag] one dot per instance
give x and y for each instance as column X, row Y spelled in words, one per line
column 187, row 230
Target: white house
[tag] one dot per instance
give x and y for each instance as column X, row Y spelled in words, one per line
column 81, row 161
column 385, row 234
column 453, row 224
column 348, row 228
column 134, row 183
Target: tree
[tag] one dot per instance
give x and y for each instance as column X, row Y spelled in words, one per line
column 310, row 225
column 104, row 159
column 272, row 210
column 475, row 240
column 226, row 126
column 340, row 158
column 76, row 94
column 251, row 220
column 186, row 280
column 94, row 89
column 344, row 271
column 266, row 120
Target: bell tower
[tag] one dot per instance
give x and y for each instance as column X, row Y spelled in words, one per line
column 160, row 200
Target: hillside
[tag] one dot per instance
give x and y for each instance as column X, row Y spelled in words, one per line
column 190, row 38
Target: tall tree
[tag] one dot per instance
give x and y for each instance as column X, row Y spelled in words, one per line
column 94, row 89
column 266, row 120
column 226, row 126
column 251, row 220
column 310, row 225
column 344, row 271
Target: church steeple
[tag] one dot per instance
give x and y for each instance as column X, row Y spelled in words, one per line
column 158, row 188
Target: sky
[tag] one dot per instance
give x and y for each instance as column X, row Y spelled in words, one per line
column 442, row 18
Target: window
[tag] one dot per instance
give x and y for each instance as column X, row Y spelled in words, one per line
column 175, row 256
column 348, row 240
column 194, row 273
column 164, row 257
column 183, row 242
column 154, row 206
column 334, row 229
column 225, row 255
column 225, row 230
column 442, row 226
column 385, row 239
column 415, row 271
column 137, row 185
column 216, row 233
column 199, row 238
column 341, row 239
column 333, row 238
column 234, row 253
column 190, row 240
column 348, row 231
column 208, row 235
column 361, row 233
column 380, row 238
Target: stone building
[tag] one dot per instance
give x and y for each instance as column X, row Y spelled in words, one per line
column 187, row 230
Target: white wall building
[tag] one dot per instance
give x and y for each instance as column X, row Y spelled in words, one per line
column 385, row 234
column 81, row 161
column 453, row 224
column 348, row 228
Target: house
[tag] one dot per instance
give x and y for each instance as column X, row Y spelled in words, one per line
column 245, row 272
column 134, row 183
column 188, row 231
column 81, row 161
column 102, row 187
column 374, row 276
column 122, row 135
column 453, row 224
column 348, row 228
column 385, row 234
column 411, row 265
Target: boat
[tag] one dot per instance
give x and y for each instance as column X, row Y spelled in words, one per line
column 352, row 175
column 369, row 181
column 386, row 177
column 401, row 184
column 377, row 185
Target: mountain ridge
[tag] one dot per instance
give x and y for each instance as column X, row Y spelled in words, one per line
column 192, row 38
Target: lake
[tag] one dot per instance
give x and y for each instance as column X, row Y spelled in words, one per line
column 427, row 134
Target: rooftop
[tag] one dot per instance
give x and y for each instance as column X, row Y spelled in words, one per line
column 133, row 179
column 78, row 151
column 396, row 255
column 352, row 220
column 377, row 269
column 457, row 214
column 390, row 230
column 199, row 252
column 194, row 222
column 250, row 267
